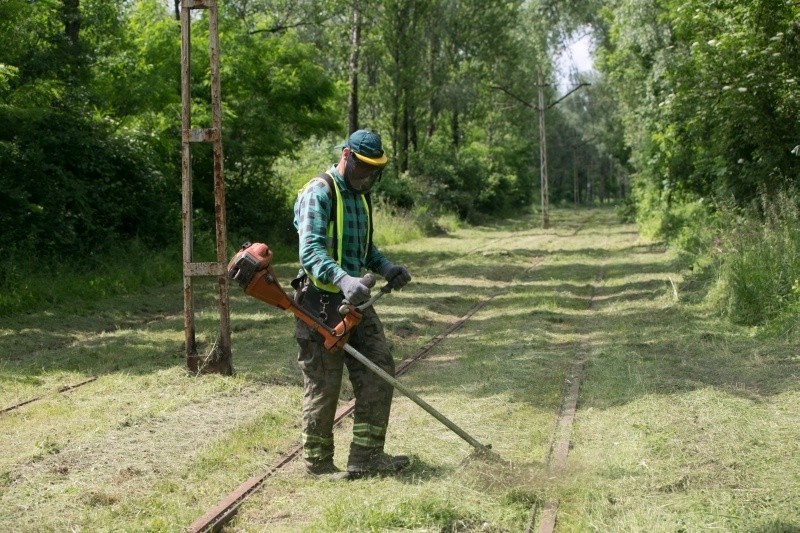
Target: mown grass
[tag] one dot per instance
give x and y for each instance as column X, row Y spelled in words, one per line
column 684, row 421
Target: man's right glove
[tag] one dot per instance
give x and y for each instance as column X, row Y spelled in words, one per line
column 397, row 276
column 354, row 289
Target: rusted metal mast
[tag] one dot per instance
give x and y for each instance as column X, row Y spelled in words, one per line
column 219, row 358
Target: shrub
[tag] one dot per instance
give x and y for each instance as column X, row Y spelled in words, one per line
column 761, row 267
column 69, row 185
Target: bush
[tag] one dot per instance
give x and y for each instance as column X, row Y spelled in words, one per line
column 761, row 266
column 472, row 181
column 69, row 185
column 259, row 206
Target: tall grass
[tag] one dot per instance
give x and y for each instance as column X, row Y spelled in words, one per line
column 761, row 267
column 30, row 283
column 396, row 226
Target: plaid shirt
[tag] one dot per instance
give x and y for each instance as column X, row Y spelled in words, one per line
column 312, row 211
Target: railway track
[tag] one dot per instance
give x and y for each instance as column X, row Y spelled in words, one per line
column 216, row 517
column 61, row 390
column 559, row 445
column 227, row 507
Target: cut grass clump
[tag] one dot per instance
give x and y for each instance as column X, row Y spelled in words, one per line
column 430, row 513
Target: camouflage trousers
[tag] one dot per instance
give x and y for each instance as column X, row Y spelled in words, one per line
column 322, row 379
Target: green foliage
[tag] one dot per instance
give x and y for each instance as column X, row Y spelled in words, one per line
column 278, row 74
column 709, row 93
column 31, row 283
column 70, row 186
column 476, row 180
column 708, row 96
column 90, row 133
column 259, row 206
column 761, row 262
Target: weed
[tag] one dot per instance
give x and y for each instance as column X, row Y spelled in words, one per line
column 761, row 268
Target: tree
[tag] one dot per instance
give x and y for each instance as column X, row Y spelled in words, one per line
column 708, row 95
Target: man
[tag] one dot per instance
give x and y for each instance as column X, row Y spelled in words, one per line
column 334, row 223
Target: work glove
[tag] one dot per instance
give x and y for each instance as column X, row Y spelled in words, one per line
column 397, row 276
column 356, row 290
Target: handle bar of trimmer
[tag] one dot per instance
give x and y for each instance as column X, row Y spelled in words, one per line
column 346, row 306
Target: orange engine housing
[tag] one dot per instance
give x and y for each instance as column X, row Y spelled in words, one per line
column 252, row 268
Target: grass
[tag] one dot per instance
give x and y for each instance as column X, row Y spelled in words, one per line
column 761, row 267
column 28, row 286
column 684, row 421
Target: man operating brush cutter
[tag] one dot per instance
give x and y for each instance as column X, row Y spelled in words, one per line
column 334, row 312
column 252, row 268
column 333, row 217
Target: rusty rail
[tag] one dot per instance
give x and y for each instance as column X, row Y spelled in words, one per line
column 558, row 448
column 65, row 388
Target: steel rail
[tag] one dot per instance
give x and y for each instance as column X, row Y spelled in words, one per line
column 558, row 447
column 65, row 388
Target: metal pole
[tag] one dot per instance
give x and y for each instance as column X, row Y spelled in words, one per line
column 417, row 400
column 219, row 360
column 224, row 344
column 186, row 196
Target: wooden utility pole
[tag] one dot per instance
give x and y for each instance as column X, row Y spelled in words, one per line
column 219, row 358
column 545, row 191
column 576, row 191
column 541, row 108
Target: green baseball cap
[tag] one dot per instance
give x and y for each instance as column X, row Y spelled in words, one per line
column 367, row 147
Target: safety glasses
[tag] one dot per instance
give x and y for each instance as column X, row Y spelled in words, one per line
column 362, row 176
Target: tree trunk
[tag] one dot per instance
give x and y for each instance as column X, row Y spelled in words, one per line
column 576, row 196
column 355, row 48
column 413, row 133
column 455, row 128
column 433, row 105
column 72, row 21
column 402, row 159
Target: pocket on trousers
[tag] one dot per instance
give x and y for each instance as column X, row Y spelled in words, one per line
column 303, row 332
column 309, row 358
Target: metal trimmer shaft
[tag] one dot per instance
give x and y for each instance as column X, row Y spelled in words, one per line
column 417, row 400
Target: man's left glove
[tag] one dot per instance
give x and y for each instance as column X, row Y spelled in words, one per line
column 397, row 276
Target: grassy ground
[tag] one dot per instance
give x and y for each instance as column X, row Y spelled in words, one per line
column 683, row 422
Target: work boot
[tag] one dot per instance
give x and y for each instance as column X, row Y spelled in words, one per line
column 376, row 462
column 321, row 467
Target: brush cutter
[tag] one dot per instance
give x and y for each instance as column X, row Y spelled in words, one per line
column 252, row 268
